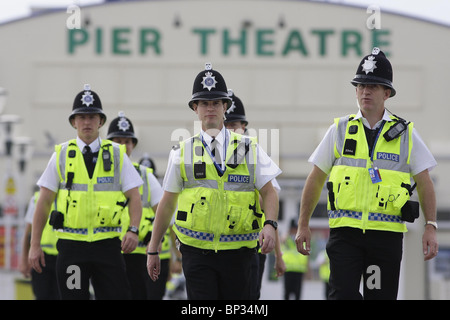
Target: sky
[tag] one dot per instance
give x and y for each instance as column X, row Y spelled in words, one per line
column 433, row 10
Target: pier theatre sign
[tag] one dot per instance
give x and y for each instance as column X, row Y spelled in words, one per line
column 254, row 42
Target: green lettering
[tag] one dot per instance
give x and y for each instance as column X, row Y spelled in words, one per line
column 295, row 42
column 99, row 41
column 262, row 42
column 152, row 42
column 322, row 34
column 204, row 33
column 119, row 40
column 240, row 42
column 377, row 40
column 76, row 37
column 351, row 39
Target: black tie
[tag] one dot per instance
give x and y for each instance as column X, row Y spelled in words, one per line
column 88, row 160
column 213, row 152
column 87, row 150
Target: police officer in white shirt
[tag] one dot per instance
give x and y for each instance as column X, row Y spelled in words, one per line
column 216, row 269
column 95, row 250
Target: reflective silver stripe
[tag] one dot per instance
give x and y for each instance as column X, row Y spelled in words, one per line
column 340, row 134
column 206, row 236
column 230, row 186
column 107, row 187
column 62, row 159
column 75, row 186
column 188, row 159
column 335, row 214
column 344, row 161
column 212, row 184
column 117, row 182
column 145, row 188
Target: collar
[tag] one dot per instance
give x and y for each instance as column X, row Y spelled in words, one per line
column 366, row 123
column 95, row 145
column 220, row 136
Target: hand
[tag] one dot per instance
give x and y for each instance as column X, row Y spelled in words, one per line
column 25, row 268
column 267, row 239
column 303, row 240
column 280, row 267
column 129, row 242
column 36, row 258
column 429, row 243
column 153, row 266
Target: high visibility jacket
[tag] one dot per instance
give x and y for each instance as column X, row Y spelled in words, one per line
column 49, row 238
column 147, row 218
column 353, row 199
column 294, row 261
column 218, row 212
column 92, row 207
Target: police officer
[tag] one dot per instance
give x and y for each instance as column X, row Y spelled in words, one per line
column 296, row 265
column 370, row 158
column 89, row 181
column 235, row 118
column 121, row 131
column 236, row 121
column 44, row 284
column 215, row 178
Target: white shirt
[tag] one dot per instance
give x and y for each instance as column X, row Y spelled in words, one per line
column 266, row 169
column 323, row 157
column 129, row 176
column 30, row 211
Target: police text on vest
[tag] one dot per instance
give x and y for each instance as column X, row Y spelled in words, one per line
column 238, row 178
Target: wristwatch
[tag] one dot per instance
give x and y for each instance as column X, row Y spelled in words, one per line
column 433, row 223
column 133, row 229
column 274, row 224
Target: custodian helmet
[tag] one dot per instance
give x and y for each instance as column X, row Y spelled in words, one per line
column 375, row 68
column 209, row 85
column 87, row 101
column 121, row 127
column 236, row 111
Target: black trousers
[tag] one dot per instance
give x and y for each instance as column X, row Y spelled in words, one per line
column 217, row 276
column 374, row 255
column 293, row 285
column 258, row 264
column 141, row 285
column 99, row 263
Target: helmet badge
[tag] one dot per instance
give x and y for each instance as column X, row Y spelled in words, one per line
column 87, row 98
column 233, row 106
column 209, row 81
column 123, row 123
column 369, row 64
